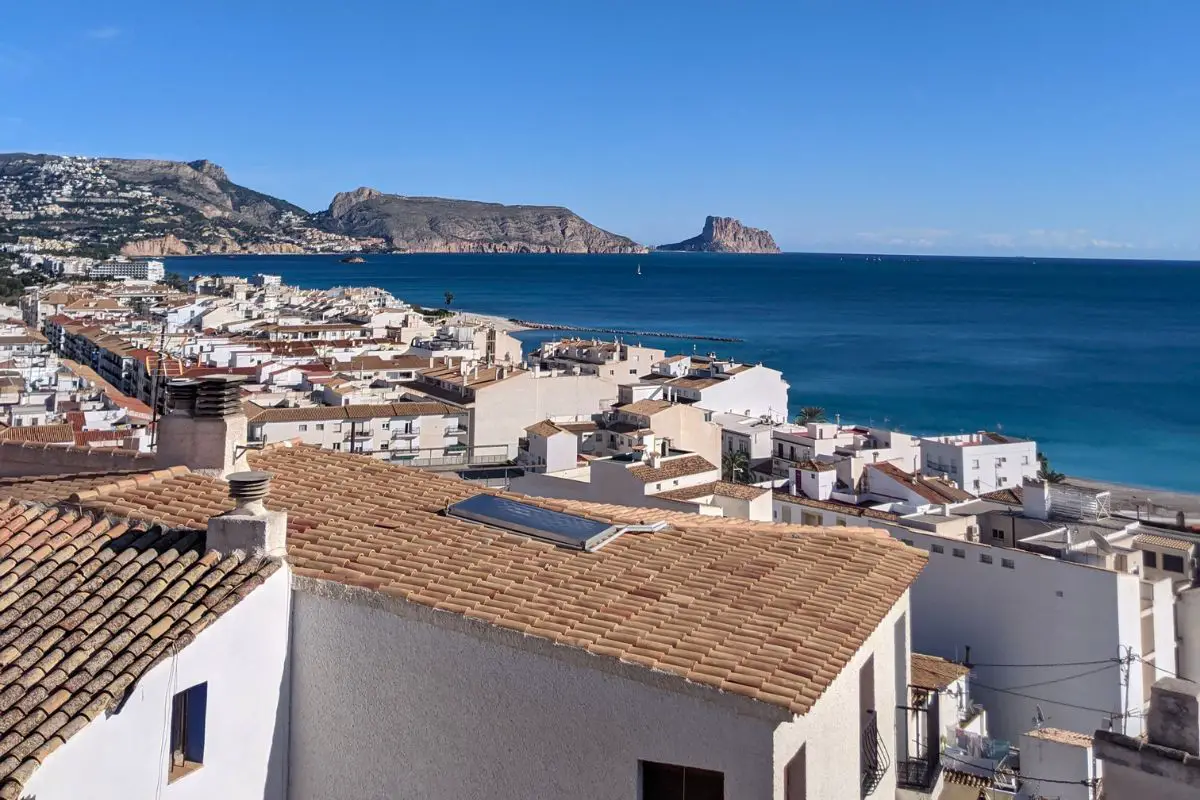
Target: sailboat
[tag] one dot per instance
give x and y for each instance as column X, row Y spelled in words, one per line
column 639, row 269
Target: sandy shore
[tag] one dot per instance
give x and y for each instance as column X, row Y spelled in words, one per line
column 1158, row 505
column 472, row 318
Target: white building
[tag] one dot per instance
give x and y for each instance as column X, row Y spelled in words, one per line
column 980, row 462
column 656, row 649
column 139, row 270
column 410, row 432
column 615, row 361
column 716, row 385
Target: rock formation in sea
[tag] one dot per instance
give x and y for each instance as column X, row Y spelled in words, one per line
column 726, row 235
column 440, row 225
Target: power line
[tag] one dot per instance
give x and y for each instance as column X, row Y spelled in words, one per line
column 1084, row 781
column 973, row 664
column 1105, row 711
column 1115, row 663
column 1156, row 666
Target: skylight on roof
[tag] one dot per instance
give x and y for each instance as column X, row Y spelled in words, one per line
column 556, row 527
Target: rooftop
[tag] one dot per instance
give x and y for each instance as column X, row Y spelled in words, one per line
column 932, row 673
column 766, row 611
column 737, row 491
column 91, row 604
column 645, row 408
column 671, row 468
column 1061, row 736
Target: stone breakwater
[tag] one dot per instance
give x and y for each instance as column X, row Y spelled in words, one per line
column 547, row 326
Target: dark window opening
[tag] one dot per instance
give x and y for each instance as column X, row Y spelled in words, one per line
column 1172, row 563
column 673, row 782
column 1151, row 558
column 188, row 711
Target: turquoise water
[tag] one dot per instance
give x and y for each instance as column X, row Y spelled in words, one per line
column 1097, row 360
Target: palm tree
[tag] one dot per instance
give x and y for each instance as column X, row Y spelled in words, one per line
column 1046, row 472
column 810, row 414
column 735, row 466
column 449, row 298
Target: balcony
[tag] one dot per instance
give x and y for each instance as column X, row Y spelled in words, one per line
column 919, row 774
column 357, row 434
column 402, row 433
column 457, row 430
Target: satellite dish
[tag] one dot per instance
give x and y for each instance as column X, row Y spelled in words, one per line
column 1101, row 543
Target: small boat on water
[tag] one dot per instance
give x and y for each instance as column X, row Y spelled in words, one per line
column 639, row 269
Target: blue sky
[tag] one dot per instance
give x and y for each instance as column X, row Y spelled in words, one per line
column 1029, row 128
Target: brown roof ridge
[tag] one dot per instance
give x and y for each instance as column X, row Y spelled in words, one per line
column 114, row 451
column 131, row 482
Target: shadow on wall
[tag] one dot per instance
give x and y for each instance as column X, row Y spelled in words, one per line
column 276, row 787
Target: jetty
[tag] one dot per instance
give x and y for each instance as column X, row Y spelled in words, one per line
column 549, row 326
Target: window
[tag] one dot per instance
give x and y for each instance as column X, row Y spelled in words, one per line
column 320, row 426
column 985, row 558
column 671, row 782
column 303, row 428
column 385, row 424
column 337, row 445
column 807, row 518
column 997, row 533
column 337, row 427
column 840, row 521
column 383, row 445
column 975, row 483
column 1008, row 563
column 1024, row 461
column 187, row 731
column 958, row 552
column 633, row 372
column 1150, row 559
column 936, row 548
column 779, row 449
column 974, row 463
column 1003, row 480
column 1172, row 563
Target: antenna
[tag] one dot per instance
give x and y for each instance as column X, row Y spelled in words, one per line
column 1102, row 544
column 1039, row 719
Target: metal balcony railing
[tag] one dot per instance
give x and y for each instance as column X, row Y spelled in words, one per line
column 875, row 758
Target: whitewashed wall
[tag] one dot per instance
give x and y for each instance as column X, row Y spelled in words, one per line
column 243, row 658
column 439, row 706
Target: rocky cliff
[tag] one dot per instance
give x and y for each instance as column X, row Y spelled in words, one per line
column 726, row 235
column 439, row 225
column 162, row 208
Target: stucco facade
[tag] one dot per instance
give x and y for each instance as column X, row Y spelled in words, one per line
column 439, row 706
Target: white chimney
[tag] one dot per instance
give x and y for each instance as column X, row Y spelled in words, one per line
column 205, row 429
column 249, row 527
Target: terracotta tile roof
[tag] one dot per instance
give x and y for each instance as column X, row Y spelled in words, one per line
column 933, row 673
column 90, row 604
column 739, row 491
column 816, row 466
column 1012, row 496
column 834, row 505
column 50, row 488
column 966, row 779
column 930, row 489
column 46, row 434
column 1166, row 543
column 671, row 468
column 1061, row 736
column 579, row 427
column 360, row 411
column 768, row 611
column 112, row 438
column 645, row 408
column 696, row 382
column 544, row 428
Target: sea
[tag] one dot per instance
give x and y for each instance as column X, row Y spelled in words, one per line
column 1098, row 360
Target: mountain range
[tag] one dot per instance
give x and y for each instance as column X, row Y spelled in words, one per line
column 159, row 208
